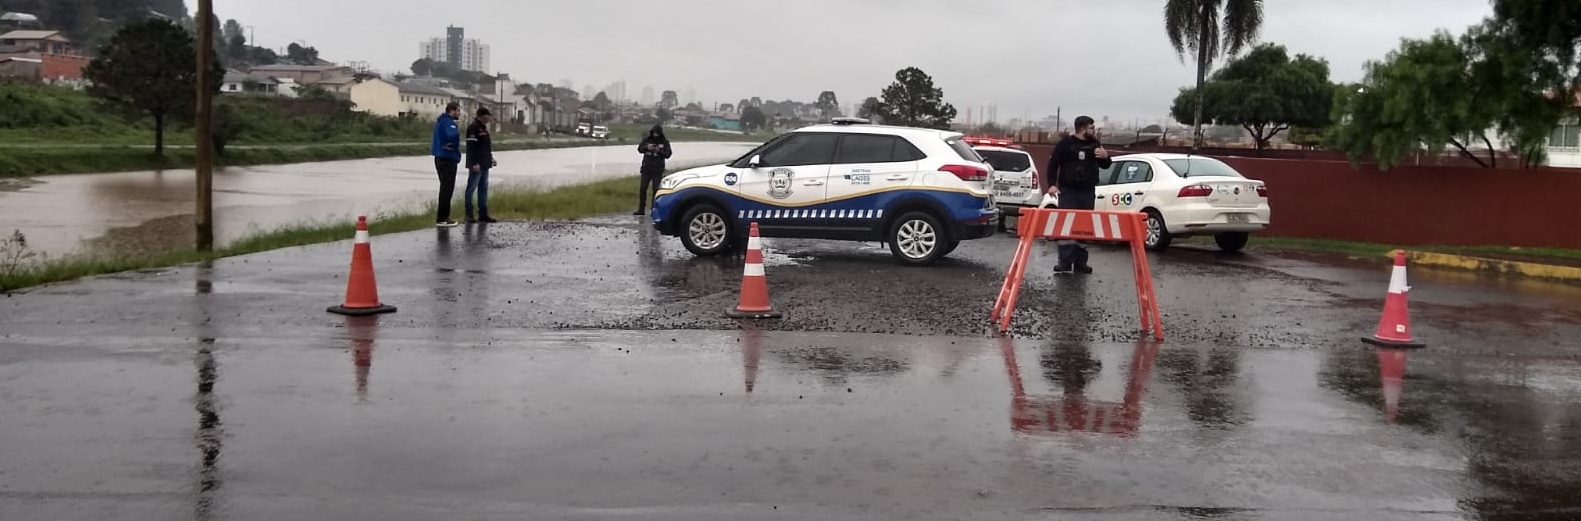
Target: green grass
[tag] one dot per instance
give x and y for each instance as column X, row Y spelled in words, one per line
column 567, row 202
column 1378, row 251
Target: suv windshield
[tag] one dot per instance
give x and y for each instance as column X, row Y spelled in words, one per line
column 741, row 162
column 1004, row 161
column 964, row 150
column 1201, row 167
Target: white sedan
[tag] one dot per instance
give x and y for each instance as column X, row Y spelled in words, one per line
column 1185, row 195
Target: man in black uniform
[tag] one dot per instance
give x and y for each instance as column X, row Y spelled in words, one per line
column 655, row 148
column 1072, row 174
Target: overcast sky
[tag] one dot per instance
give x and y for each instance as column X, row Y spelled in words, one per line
column 1026, row 56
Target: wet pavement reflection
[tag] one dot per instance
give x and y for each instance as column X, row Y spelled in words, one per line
column 1072, row 370
column 494, row 400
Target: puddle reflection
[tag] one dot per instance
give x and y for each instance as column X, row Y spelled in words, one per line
column 1072, row 368
column 362, row 332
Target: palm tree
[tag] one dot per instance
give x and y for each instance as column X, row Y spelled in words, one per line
column 1194, row 25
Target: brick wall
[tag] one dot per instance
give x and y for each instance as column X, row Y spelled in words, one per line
column 1415, row 205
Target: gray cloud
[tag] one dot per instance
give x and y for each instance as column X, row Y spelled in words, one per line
column 1026, row 57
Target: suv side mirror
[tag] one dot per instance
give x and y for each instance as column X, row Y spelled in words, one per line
column 756, row 161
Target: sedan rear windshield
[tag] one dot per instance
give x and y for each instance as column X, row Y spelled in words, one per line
column 1201, row 167
column 965, row 151
column 1006, row 161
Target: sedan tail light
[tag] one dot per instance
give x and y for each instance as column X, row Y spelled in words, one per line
column 965, row 172
column 1195, row 191
column 1262, row 191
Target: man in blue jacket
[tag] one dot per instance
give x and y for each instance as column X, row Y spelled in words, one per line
column 446, row 149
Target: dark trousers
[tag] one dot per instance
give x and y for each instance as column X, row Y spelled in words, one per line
column 648, row 190
column 477, row 181
column 447, row 186
column 1074, row 253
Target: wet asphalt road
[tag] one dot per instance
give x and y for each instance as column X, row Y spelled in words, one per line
column 584, row 371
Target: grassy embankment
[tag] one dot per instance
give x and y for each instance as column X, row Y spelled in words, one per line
column 603, row 197
column 1378, row 252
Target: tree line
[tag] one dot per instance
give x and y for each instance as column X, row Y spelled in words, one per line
column 1513, row 78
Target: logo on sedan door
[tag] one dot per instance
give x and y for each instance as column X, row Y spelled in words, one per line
column 730, row 179
column 780, row 182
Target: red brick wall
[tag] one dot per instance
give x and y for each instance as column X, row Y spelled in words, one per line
column 1415, row 205
column 58, row 66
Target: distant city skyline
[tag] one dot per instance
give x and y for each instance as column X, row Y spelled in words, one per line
column 457, row 50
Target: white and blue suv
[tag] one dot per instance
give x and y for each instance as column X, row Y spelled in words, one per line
column 921, row 191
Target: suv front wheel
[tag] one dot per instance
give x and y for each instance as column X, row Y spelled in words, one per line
column 705, row 230
column 918, row 239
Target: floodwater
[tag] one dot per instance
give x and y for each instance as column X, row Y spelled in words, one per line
column 152, row 211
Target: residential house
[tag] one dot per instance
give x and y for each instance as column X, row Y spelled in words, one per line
column 724, row 121
column 44, row 42
column 236, row 82
column 15, row 20
column 21, row 68
column 340, row 86
column 469, row 102
column 1564, row 145
column 305, row 74
column 53, row 56
column 390, row 98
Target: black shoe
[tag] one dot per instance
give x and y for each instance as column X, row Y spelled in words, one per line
column 1084, row 270
column 639, row 212
column 471, row 221
column 1062, row 269
column 487, row 219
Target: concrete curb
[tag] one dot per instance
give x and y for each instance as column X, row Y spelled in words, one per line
column 1502, row 267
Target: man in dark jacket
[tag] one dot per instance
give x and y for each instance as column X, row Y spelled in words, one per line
column 1072, row 174
column 480, row 158
column 446, row 149
column 655, row 148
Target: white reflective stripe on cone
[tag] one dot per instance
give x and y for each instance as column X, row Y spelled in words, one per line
column 1397, row 281
column 754, row 243
column 362, row 237
column 1064, row 231
column 1048, row 231
column 753, row 270
column 1114, row 227
column 1097, row 226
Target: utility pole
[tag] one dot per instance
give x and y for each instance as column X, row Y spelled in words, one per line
column 204, row 214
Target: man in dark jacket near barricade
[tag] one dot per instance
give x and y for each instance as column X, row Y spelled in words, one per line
column 1072, row 174
column 480, row 158
column 655, row 149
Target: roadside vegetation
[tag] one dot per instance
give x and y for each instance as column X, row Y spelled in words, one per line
column 1378, row 252
column 21, row 267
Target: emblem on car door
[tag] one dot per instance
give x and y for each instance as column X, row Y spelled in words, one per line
column 780, row 182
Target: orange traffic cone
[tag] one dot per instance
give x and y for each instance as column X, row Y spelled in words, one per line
column 1391, row 370
column 1394, row 329
column 362, row 292
column 754, row 301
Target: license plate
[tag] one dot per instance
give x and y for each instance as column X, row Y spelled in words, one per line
column 1004, row 185
column 1238, row 218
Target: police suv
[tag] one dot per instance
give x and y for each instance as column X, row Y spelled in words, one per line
column 921, row 191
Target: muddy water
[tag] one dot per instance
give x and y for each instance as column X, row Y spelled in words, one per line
column 151, row 211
